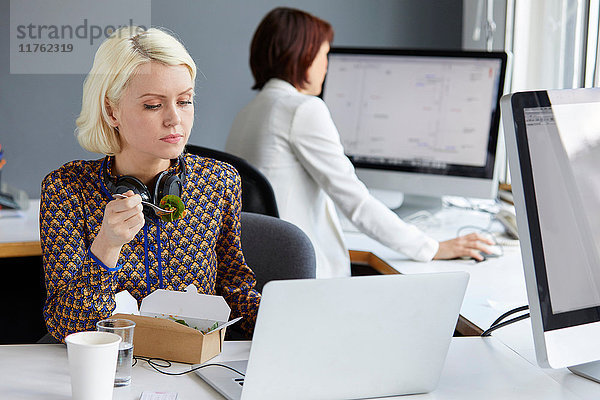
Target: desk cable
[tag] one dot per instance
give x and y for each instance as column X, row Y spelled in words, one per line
column 497, row 324
column 157, row 363
column 472, row 206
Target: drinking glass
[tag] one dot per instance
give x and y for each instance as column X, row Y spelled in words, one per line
column 123, row 328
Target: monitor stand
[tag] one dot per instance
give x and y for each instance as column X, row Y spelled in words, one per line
column 406, row 205
column 589, row 370
column 414, row 204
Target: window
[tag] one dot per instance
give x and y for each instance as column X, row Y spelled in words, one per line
column 554, row 43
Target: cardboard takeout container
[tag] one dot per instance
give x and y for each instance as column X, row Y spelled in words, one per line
column 157, row 335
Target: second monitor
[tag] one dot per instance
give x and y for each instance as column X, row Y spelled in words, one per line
column 424, row 123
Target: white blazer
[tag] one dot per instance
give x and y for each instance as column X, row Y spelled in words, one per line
column 292, row 139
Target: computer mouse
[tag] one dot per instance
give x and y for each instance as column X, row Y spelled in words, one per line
column 469, row 258
column 495, row 251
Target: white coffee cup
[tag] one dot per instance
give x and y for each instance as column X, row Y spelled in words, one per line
column 92, row 364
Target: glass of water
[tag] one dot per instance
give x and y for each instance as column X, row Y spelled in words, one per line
column 123, row 328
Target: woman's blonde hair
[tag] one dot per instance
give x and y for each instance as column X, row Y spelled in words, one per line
column 115, row 64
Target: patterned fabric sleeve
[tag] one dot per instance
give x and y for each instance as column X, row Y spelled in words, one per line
column 80, row 289
column 235, row 280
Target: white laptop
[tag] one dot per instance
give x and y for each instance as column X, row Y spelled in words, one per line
column 347, row 338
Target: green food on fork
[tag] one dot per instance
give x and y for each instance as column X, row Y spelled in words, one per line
column 172, row 202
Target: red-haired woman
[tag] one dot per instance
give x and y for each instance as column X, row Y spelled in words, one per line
column 287, row 132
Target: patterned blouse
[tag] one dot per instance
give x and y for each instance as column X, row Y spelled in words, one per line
column 203, row 248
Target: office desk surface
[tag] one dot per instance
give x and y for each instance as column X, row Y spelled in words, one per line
column 20, row 232
column 495, row 285
column 476, row 368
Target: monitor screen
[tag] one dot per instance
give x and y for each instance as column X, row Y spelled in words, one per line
column 562, row 145
column 554, row 150
column 432, row 113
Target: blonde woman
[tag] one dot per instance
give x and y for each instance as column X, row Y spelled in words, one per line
column 138, row 111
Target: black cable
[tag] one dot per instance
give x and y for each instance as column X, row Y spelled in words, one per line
column 506, row 314
column 503, row 324
column 156, row 362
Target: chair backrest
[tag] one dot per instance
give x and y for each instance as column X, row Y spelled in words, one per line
column 276, row 249
column 257, row 193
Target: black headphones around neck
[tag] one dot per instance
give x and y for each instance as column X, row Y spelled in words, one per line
column 167, row 182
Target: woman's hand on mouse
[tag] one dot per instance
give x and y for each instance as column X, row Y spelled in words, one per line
column 470, row 245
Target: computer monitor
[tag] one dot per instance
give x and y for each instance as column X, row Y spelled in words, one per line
column 420, row 122
column 553, row 143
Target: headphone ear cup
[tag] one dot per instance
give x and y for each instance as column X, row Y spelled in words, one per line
column 167, row 184
column 125, row 183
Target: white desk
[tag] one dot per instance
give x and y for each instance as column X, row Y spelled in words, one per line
column 20, row 232
column 495, row 285
column 476, row 368
column 42, row 372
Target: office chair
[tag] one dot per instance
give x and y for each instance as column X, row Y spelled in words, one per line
column 276, row 249
column 257, row 193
